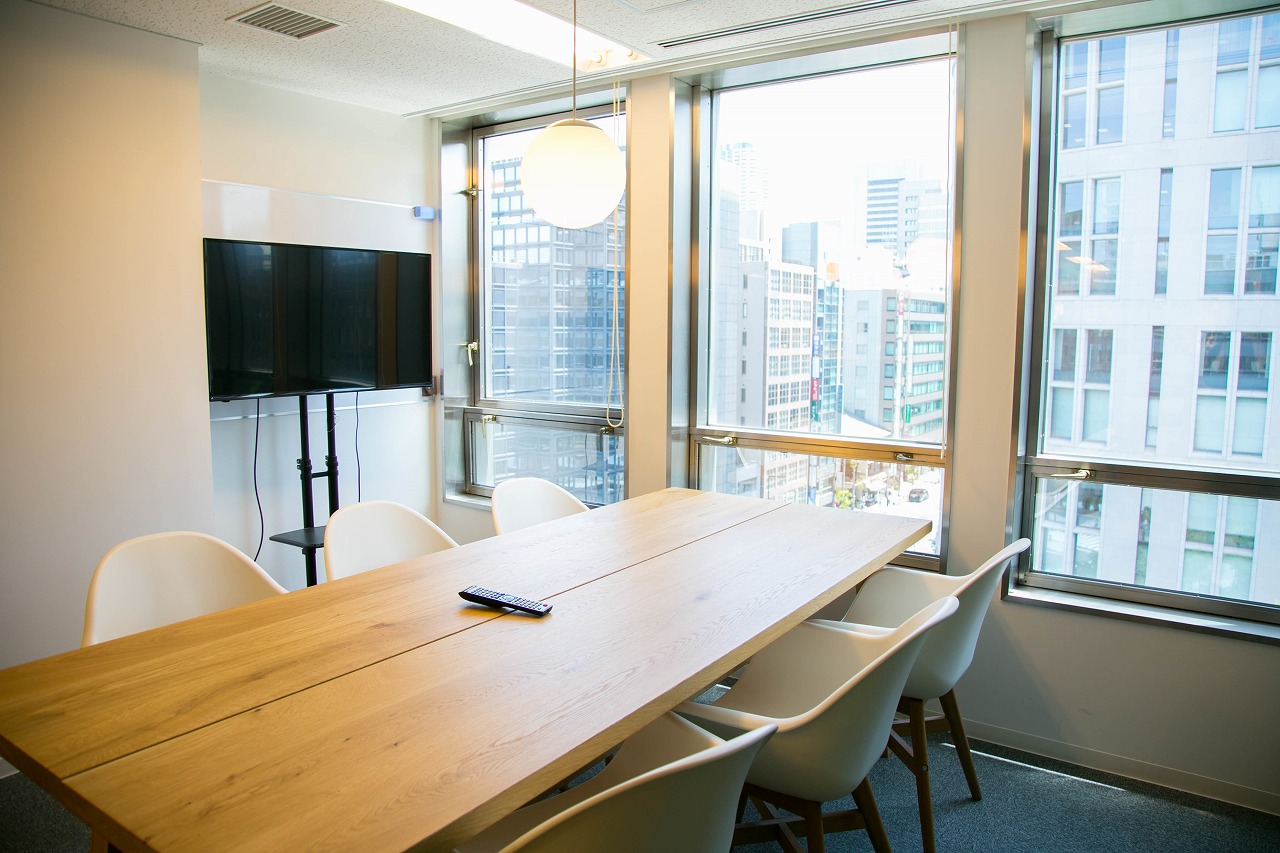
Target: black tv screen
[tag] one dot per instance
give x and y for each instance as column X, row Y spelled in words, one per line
column 284, row 319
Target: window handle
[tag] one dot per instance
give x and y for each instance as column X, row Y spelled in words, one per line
column 484, row 421
column 472, row 348
column 1082, row 474
column 726, row 440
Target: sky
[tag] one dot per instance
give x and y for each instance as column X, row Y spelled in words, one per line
column 896, row 119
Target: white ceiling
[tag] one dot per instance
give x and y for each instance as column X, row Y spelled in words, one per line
column 391, row 59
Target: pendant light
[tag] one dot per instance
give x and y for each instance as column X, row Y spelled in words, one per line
column 572, row 174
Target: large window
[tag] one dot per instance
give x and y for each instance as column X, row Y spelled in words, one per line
column 1154, row 452
column 547, row 389
column 824, row 323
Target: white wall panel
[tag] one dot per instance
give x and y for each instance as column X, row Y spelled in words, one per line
column 281, row 167
column 104, row 430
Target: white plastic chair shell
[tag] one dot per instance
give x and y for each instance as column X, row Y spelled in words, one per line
column 832, row 694
column 672, row 786
column 371, row 534
column 892, row 595
column 526, row 501
column 162, row 578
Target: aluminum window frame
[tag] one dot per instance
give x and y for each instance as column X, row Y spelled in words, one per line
column 478, row 407
column 1196, row 610
column 931, row 45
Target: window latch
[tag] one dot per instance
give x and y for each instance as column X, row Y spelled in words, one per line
column 1082, row 474
column 472, row 347
column 484, row 421
column 726, row 440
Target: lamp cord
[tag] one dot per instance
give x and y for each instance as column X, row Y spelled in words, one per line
column 573, row 103
column 615, row 344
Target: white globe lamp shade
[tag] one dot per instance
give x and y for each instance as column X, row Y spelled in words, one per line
column 572, row 174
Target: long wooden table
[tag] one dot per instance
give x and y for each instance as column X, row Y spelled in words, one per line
column 381, row 712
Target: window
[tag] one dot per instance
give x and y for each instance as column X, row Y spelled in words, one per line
column 1093, row 272
column 887, row 254
column 1070, row 222
column 547, row 386
column 1231, row 403
column 1170, row 83
column 1256, row 243
column 1162, row 231
column 1153, row 456
column 1110, row 90
column 1104, row 246
column 1153, row 385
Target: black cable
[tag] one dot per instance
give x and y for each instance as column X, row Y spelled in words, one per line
column 262, row 524
column 357, row 444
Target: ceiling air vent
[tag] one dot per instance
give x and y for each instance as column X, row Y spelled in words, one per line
column 275, row 18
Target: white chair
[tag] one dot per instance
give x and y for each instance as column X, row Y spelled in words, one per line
column 832, row 693
column 890, row 596
column 526, row 501
column 372, row 534
column 671, row 787
column 162, row 578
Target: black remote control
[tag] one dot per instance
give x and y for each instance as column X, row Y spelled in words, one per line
column 480, row 595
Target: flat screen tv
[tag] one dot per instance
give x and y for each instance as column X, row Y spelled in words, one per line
column 284, row 319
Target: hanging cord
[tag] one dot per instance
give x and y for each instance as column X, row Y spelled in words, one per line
column 953, row 33
column 573, row 101
column 359, row 487
column 615, row 342
column 257, row 496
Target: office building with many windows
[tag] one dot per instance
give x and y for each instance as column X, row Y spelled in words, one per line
column 1163, row 308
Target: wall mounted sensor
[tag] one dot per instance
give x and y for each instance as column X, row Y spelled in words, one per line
column 425, row 213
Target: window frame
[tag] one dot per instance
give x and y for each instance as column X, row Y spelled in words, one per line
column 903, row 451
column 480, row 409
column 1192, row 610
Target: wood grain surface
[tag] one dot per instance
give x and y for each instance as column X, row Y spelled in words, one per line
column 388, row 715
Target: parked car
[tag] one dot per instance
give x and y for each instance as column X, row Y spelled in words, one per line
column 918, row 495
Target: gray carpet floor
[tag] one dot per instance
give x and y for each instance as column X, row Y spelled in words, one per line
column 1029, row 804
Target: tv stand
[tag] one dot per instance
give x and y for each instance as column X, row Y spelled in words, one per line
column 310, row 537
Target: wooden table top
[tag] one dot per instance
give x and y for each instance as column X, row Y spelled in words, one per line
column 381, row 712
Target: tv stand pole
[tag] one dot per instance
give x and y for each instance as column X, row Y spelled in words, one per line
column 311, row 537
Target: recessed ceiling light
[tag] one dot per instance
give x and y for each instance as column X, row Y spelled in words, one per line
column 526, row 29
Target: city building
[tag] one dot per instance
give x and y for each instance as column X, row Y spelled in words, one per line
column 1164, row 313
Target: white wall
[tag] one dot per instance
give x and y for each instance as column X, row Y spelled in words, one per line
column 1188, row 710
column 650, row 128
column 278, row 166
column 104, row 428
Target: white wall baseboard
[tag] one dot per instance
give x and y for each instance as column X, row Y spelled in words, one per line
column 1192, row 783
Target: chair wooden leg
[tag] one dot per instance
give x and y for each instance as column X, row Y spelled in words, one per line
column 866, row 803
column 772, row 826
column 952, row 712
column 776, row 827
column 814, row 834
column 924, row 792
column 99, row 844
column 915, row 755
